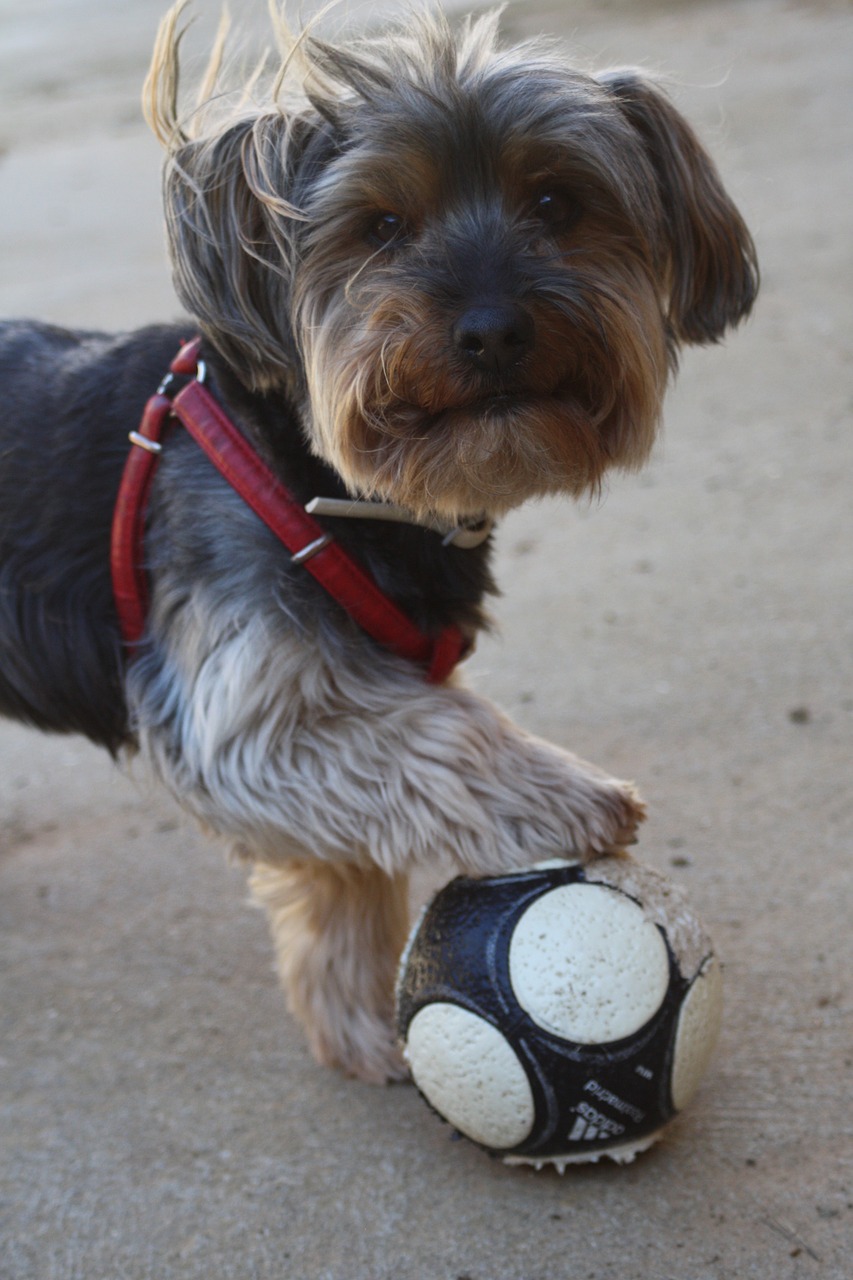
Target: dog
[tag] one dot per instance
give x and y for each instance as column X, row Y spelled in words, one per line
column 436, row 279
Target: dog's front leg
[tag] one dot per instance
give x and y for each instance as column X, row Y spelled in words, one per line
column 291, row 756
column 338, row 931
column 338, row 782
column 339, row 928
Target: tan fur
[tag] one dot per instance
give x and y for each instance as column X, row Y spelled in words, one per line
column 338, row 933
column 398, row 426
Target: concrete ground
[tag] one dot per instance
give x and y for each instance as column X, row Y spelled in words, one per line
column 159, row 1116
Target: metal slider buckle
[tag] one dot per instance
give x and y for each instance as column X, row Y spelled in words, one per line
column 150, row 446
column 299, row 557
column 200, row 375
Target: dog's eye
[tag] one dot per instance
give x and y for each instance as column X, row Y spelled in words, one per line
column 387, row 228
column 557, row 210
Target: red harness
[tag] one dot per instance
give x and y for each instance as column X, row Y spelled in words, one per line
column 308, row 542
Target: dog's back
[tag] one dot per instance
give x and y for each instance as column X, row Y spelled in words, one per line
column 68, row 402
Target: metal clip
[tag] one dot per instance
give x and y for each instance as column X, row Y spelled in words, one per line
column 306, row 553
column 150, row 446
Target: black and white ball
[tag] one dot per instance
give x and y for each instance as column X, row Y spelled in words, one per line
column 561, row 1013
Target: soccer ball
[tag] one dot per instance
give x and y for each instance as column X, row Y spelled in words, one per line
column 561, row 1013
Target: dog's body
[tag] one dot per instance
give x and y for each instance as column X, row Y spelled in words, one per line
column 449, row 278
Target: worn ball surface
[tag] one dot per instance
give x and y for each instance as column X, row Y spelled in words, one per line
column 561, row 1013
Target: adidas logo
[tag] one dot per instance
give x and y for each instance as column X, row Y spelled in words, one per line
column 591, row 1124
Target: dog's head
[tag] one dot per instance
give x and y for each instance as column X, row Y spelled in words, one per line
column 473, row 267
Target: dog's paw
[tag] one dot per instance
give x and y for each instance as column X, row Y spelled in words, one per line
column 540, row 801
column 613, row 820
column 365, row 1049
column 576, row 810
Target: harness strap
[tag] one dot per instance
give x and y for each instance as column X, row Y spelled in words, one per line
column 309, row 543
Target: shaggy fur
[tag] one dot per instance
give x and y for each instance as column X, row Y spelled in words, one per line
column 438, row 273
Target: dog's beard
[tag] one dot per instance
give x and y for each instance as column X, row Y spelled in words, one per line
column 394, row 412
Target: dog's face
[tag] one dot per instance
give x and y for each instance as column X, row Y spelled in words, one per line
column 472, row 267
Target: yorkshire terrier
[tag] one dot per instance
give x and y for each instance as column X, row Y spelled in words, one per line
column 437, row 279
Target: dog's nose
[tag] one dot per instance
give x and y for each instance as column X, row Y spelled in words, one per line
column 494, row 337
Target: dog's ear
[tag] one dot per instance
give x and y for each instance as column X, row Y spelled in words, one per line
column 713, row 271
column 232, row 185
column 232, row 213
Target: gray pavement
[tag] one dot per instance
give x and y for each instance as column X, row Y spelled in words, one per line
column 160, row 1118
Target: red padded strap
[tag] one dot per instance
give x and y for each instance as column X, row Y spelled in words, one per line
column 346, row 581
column 127, row 564
column 186, row 361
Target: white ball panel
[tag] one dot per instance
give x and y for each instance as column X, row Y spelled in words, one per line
column 587, row 965
column 470, row 1074
column 697, row 1031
